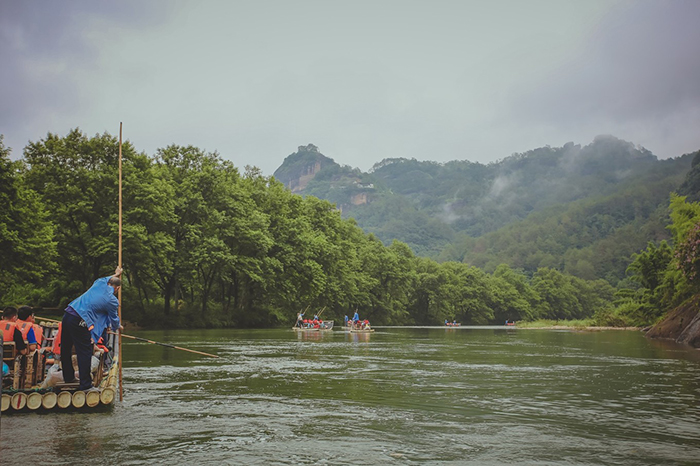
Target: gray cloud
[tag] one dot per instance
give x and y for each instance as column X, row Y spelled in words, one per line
column 362, row 80
column 636, row 77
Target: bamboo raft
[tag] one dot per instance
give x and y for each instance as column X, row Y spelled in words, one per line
column 352, row 329
column 323, row 327
column 26, row 394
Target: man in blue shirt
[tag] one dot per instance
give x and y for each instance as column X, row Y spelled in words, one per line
column 83, row 323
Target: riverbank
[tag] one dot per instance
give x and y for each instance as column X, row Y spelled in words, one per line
column 681, row 324
column 580, row 325
column 577, row 328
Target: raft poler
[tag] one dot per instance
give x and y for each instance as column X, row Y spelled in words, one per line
column 84, row 321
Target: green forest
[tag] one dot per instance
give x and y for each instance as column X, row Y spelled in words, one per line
column 206, row 245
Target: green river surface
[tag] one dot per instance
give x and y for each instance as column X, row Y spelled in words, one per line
column 469, row 395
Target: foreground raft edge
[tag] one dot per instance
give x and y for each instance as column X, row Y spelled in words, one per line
column 25, row 401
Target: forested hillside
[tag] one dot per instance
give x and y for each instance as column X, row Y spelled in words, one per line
column 582, row 210
column 207, row 245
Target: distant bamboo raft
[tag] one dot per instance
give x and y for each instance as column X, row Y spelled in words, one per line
column 64, row 396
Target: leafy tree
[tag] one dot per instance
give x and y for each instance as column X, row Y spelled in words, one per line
column 27, row 243
column 76, row 179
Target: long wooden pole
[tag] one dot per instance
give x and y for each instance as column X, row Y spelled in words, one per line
column 168, row 345
column 121, row 380
column 142, row 339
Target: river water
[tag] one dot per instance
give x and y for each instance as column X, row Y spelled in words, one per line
column 473, row 396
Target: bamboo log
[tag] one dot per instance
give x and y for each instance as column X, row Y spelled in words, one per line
column 48, row 401
column 64, row 399
column 107, row 395
column 6, row 401
column 78, row 398
column 19, row 401
column 92, row 399
column 34, row 401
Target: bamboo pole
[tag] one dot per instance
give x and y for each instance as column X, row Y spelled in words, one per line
column 168, row 345
column 146, row 340
column 121, row 384
column 47, row 319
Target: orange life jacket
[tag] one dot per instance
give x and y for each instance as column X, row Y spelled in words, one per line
column 56, row 349
column 39, row 334
column 8, row 331
column 24, row 328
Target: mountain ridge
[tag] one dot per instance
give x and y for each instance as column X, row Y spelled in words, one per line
column 442, row 209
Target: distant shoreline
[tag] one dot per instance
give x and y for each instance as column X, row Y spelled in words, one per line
column 574, row 327
column 526, row 327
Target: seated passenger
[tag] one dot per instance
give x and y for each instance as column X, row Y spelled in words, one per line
column 26, row 325
column 10, row 332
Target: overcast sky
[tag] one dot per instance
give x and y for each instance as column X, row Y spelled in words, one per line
column 362, row 80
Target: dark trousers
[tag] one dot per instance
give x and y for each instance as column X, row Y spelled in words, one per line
column 74, row 332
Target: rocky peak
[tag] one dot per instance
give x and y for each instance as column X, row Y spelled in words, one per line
column 299, row 168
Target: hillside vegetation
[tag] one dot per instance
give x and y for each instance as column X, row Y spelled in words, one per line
column 580, row 210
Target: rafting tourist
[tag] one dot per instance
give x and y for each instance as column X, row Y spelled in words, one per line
column 356, row 317
column 31, row 333
column 10, row 332
column 83, row 323
column 28, row 313
column 300, row 319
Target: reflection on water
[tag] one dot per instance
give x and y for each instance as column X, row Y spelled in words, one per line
column 397, row 396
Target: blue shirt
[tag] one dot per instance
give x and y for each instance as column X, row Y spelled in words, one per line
column 356, row 317
column 98, row 307
column 31, row 337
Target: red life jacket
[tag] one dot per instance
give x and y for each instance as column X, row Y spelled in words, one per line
column 8, row 331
